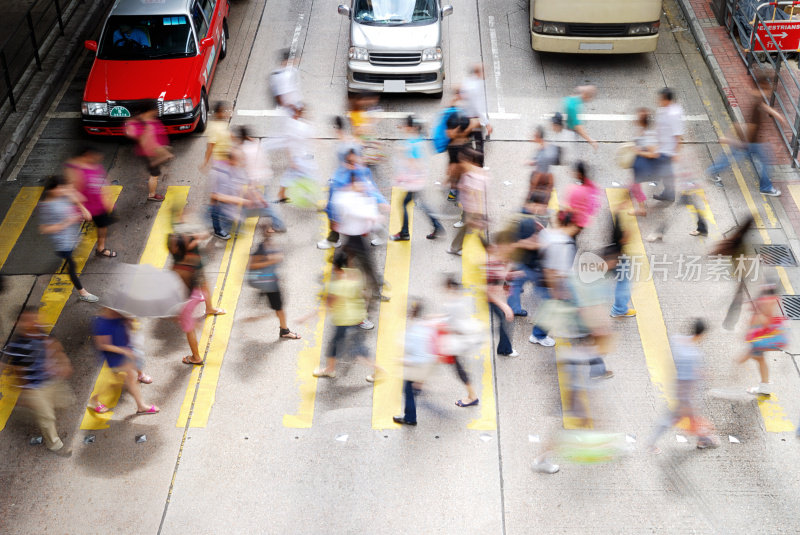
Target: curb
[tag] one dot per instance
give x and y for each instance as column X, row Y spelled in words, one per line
column 48, row 88
column 711, row 61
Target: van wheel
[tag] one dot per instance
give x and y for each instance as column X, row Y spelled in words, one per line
column 203, row 122
column 223, row 46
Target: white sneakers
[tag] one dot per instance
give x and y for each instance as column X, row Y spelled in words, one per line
column 544, row 467
column 763, row 389
column 545, row 342
column 366, row 325
column 458, row 224
column 325, row 244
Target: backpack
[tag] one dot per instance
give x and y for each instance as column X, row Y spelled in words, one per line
column 440, row 139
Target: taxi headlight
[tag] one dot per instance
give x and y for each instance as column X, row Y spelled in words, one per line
column 175, row 107
column 94, row 108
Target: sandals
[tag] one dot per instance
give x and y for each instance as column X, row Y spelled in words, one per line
column 460, row 403
column 152, row 410
column 217, row 312
column 99, row 408
column 107, row 253
column 186, row 360
column 156, row 198
column 286, row 334
column 145, row 379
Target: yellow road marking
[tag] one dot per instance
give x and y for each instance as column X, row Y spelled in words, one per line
column 16, row 218
column 649, row 318
column 552, row 204
column 155, row 253
column 387, row 396
column 204, row 379
column 55, row 296
column 473, row 278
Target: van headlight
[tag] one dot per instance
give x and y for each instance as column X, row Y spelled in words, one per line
column 94, row 108
column 176, row 107
column 650, row 28
column 554, row 28
column 432, row 54
column 358, row 53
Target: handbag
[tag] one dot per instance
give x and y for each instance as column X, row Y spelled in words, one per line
column 264, row 279
column 626, row 154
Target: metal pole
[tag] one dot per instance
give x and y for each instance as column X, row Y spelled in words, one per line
column 33, row 40
column 7, row 77
column 750, row 56
column 58, row 14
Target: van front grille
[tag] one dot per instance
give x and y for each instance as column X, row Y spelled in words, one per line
column 409, row 78
column 597, row 30
column 393, row 58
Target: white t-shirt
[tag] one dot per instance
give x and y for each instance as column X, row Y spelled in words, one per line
column 356, row 213
column 559, row 250
column 285, row 83
column 474, row 103
column 669, row 124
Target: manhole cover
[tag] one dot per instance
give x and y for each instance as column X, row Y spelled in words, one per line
column 791, row 306
column 776, row 255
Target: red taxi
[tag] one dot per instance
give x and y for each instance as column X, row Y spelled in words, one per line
column 160, row 53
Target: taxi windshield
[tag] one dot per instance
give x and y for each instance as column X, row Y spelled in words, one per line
column 395, row 12
column 147, row 37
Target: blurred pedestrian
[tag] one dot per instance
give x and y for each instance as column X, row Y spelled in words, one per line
column 688, row 367
column 669, row 135
column 111, row 333
column 298, row 134
column 526, row 227
column 257, row 174
column 86, row 174
column 362, row 108
column 547, row 155
column 152, row 144
column 418, row 361
column 472, row 188
column 573, row 109
column 751, row 142
column 583, row 198
column 646, row 160
column 60, row 216
column 473, row 90
column 227, row 195
column 411, row 176
column 451, row 134
column 463, row 335
column 734, row 247
column 39, row 367
column 220, row 138
column 348, row 306
column 498, row 276
column 766, row 332
column 264, row 275
column 284, row 83
column 619, row 263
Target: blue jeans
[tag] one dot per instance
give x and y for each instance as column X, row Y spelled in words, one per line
column 410, row 195
column 410, row 411
column 504, row 345
column 759, row 154
column 622, row 292
column 221, row 223
column 514, row 298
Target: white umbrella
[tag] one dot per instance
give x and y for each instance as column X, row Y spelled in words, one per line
column 145, row 291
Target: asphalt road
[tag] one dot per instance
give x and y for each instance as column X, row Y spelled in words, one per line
column 252, row 445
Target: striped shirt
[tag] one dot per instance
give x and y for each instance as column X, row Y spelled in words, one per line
column 29, row 354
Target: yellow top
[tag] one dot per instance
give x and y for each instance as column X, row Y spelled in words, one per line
column 219, row 134
column 349, row 307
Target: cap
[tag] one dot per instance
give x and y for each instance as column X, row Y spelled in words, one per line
column 557, row 118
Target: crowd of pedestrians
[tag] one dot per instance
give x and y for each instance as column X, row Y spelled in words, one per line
column 536, row 245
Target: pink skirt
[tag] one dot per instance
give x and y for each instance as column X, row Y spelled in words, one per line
column 186, row 317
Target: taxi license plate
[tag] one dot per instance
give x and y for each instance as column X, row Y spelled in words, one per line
column 394, row 86
column 596, row 46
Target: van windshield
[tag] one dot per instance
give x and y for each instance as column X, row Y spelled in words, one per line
column 147, row 37
column 395, row 12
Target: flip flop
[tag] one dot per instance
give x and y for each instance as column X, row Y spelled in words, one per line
column 186, row 360
column 460, row 403
column 151, row 410
column 145, row 379
column 217, row 312
column 99, row 408
column 106, row 253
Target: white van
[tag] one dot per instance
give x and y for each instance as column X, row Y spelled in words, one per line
column 396, row 46
column 595, row 26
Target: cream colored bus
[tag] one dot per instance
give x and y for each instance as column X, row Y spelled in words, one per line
column 595, row 26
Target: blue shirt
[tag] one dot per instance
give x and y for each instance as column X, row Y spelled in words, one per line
column 29, row 353
column 687, row 358
column 118, row 331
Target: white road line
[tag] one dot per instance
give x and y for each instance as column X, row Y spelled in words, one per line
column 64, row 115
column 505, row 116
column 502, row 116
column 496, row 66
column 296, row 38
column 277, row 112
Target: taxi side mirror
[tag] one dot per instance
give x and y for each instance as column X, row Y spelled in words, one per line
column 344, row 10
column 447, row 10
column 90, row 45
column 206, row 42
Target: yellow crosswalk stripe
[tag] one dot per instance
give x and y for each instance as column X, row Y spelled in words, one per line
column 473, row 278
column 55, row 296
column 155, row 253
column 309, row 356
column 16, row 218
column 387, row 394
column 202, row 389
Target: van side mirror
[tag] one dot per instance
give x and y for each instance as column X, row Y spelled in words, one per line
column 206, row 42
column 447, row 10
column 90, row 45
column 344, row 10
